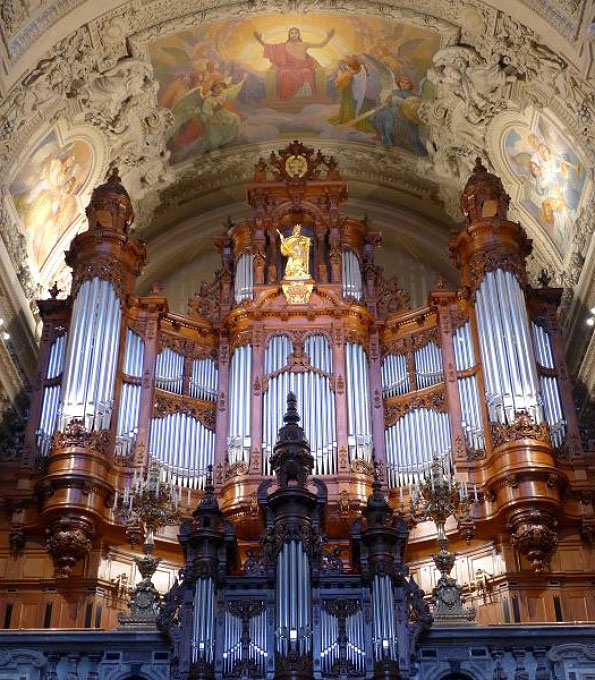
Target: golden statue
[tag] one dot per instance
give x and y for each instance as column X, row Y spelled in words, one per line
column 297, row 250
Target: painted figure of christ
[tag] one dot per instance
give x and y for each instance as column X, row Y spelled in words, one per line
column 295, row 67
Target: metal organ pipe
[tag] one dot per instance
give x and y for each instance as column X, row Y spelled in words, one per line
column 550, row 390
column 413, row 441
column 316, row 403
column 351, row 275
column 185, row 448
column 48, row 418
column 169, row 371
column 293, row 600
column 506, row 348
column 203, row 641
column 428, row 365
column 358, row 401
column 384, row 630
column 204, row 379
column 91, row 356
column 127, row 427
column 395, row 379
column 243, row 286
column 468, row 389
column 240, row 401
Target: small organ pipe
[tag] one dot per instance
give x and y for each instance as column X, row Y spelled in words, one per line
column 184, row 446
column 244, row 278
column 549, row 387
column 359, row 403
column 240, row 399
column 351, row 275
column 413, row 441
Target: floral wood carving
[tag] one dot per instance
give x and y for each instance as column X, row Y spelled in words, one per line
column 390, row 297
column 534, row 534
column 522, row 428
column 68, row 541
column 393, row 410
column 205, row 303
column 202, row 411
column 75, row 434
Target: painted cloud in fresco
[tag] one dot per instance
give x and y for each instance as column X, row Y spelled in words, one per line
column 45, row 191
column 255, row 79
column 552, row 177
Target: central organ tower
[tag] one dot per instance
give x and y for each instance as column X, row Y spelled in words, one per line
column 476, row 379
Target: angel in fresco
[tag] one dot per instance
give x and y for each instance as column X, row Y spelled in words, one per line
column 204, row 117
column 295, row 68
column 360, row 87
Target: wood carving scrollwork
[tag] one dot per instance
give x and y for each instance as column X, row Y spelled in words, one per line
column 488, row 261
column 107, row 270
column 201, row 410
column 393, row 410
column 523, row 427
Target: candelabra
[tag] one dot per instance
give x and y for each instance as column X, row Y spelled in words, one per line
column 147, row 504
column 437, row 498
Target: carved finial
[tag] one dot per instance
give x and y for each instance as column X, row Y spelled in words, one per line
column 479, row 167
column 209, row 486
column 292, row 415
column 291, row 459
column 440, row 281
column 54, row 291
column 114, row 176
column 157, row 289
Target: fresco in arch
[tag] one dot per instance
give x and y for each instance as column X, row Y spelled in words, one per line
column 45, row 191
column 551, row 175
column 260, row 78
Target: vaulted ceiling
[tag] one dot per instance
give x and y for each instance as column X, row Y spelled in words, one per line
column 186, row 96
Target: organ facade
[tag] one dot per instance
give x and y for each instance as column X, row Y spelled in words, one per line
column 476, row 381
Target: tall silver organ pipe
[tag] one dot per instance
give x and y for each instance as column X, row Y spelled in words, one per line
column 507, row 350
column 395, row 379
column 48, row 419
column 127, row 427
column 358, row 401
column 293, row 604
column 92, row 356
column 169, row 371
column 428, row 365
column 413, row 441
column 316, row 402
column 351, row 275
column 203, row 639
column 550, row 390
column 204, row 379
column 232, row 645
column 185, row 448
column 329, row 633
column 468, row 388
column 240, row 400
column 243, row 287
column 384, row 628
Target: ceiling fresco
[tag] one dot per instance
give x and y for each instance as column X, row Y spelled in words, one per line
column 265, row 77
column 46, row 189
column 551, row 176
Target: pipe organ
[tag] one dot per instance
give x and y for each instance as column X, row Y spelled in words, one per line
column 476, row 377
